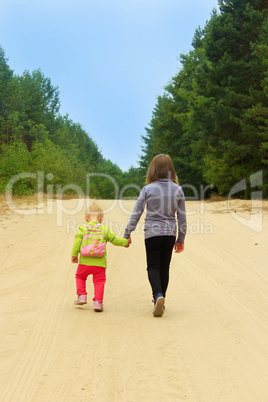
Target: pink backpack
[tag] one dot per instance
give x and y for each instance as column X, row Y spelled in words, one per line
column 93, row 243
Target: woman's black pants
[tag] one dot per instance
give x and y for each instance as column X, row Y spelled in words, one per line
column 158, row 252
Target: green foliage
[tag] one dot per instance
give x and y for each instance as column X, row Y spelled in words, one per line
column 212, row 118
column 14, row 161
column 50, row 158
column 36, row 141
column 132, row 182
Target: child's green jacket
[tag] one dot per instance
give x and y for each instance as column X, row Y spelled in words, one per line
column 108, row 235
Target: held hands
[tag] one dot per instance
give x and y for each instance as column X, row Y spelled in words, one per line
column 129, row 242
column 179, row 247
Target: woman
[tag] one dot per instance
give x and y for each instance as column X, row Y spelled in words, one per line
column 165, row 203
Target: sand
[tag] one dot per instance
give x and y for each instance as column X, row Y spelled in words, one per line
column 211, row 345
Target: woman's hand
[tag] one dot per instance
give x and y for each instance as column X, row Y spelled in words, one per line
column 74, row 260
column 129, row 242
column 179, row 247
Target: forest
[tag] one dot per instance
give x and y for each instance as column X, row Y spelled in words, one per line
column 211, row 118
column 36, row 138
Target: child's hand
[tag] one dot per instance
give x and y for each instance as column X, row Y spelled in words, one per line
column 74, row 260
column 179, row 247
column 129, row 242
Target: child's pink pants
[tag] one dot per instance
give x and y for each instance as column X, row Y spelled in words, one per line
column 99, row 279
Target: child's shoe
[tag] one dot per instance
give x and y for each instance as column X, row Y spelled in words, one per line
column 82, row 299
column 98, row 306
column 159, row 304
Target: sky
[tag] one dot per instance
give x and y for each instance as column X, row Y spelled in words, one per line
column 110, row 59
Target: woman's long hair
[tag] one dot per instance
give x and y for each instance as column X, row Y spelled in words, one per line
column 161, row 167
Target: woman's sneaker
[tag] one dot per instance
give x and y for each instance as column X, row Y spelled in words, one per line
column 159, row 307
column 98, row 306
column 82, row 299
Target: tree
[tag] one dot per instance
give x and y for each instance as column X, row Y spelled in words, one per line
column 34, row 137
column 6, row 76
column 212, row 120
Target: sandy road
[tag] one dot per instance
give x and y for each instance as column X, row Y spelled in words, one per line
column 210, row 346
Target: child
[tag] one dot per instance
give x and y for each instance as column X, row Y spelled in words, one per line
column 164, row 198
column 95, row 266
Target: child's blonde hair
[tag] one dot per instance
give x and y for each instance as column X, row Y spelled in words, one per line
column 161, row 167
column 94, row 211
